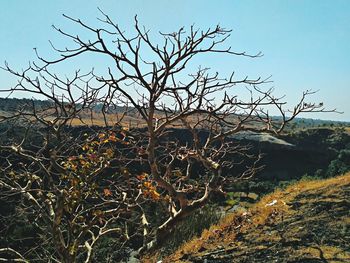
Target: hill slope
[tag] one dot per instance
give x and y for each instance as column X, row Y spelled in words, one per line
column 307, row 222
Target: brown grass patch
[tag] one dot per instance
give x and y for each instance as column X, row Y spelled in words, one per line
column 288, row 222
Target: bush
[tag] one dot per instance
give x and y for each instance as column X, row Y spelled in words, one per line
column 341, row 165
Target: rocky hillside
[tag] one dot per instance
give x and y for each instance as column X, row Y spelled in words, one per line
column 307, row 222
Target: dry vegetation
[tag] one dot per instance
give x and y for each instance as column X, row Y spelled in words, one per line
column 133, row 120
column 99, row 119
column 307, row 222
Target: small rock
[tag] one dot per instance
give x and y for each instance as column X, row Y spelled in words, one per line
column 271, row 203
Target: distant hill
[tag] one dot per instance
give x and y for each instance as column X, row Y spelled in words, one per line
column 307, row 222
column 13, row 104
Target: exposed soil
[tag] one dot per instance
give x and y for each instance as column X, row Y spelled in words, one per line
column 308, row 222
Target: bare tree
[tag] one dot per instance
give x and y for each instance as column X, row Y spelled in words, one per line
column 59, row 173
column 65, row 178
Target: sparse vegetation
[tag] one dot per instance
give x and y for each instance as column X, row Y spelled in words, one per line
column 307, row 221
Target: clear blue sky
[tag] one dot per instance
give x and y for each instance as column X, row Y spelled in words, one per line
column 306, row 44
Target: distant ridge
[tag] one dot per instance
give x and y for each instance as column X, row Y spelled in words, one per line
column 15, row 104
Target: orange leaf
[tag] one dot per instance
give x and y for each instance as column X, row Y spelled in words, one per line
column 142, row 176
column 107, row 192
column 147, row 184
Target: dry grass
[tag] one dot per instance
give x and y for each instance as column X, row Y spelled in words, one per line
column 309, row 220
